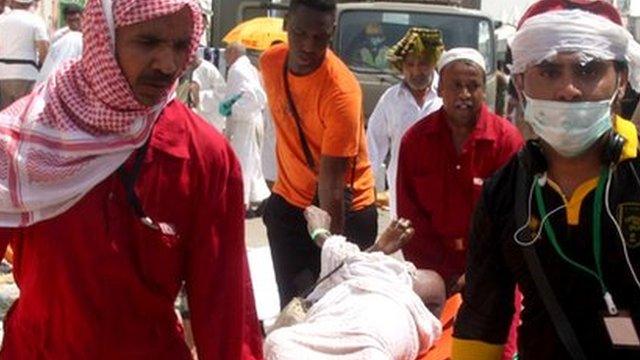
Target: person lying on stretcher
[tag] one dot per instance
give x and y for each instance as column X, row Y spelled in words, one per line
column 373, row 307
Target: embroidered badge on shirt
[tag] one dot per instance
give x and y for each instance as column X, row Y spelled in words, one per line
column 629, row 219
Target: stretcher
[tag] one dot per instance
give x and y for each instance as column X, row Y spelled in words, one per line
column 442, row 348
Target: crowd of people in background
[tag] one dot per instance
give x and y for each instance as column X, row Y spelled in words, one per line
column 123, row 144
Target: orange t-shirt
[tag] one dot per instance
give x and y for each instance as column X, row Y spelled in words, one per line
column 329, row 101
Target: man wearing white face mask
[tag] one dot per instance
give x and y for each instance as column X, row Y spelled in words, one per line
column 569, row 238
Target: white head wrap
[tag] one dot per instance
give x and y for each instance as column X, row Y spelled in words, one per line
column 543, row 36
column 462, row 53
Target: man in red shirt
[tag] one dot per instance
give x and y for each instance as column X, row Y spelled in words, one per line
column 113, row 196
column 444, row 160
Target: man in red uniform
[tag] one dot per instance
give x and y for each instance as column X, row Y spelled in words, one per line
column 113, row 196
column 444, row 160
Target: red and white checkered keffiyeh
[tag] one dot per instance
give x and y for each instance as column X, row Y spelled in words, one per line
column 81, row 125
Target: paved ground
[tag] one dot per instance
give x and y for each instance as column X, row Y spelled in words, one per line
column 263, row 278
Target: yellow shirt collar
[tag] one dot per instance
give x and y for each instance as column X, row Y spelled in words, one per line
column 628, row 131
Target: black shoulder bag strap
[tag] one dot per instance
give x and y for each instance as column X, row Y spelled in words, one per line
column 129, row 178
column 558, row 317
column 292, row 107
column 294, row 111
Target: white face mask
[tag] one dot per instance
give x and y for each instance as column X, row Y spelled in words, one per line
column 377, row 40
column 570, row 128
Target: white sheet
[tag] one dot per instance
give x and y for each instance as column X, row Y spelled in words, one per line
column 367, row 310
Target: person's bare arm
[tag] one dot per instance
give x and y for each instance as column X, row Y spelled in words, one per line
column 43, row 50
column 318, row 221
column 194, row 93
column 394, row 237
column 331, row 184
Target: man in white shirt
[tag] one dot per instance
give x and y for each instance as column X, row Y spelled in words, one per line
column 243, row 107
column 402, row 105
column 72, row 14
column 24, row 44
column 67, row 48
column 208, row 91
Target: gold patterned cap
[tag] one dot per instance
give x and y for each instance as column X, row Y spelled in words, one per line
column 421, row 41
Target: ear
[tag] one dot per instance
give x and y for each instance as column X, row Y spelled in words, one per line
column 623, row 83
column 518, row 80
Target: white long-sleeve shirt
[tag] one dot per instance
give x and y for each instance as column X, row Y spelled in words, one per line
column 20, row 31
column 68, row 47
column 212, row 92
column 245, row 126
column 396, row 111
column 244, row 78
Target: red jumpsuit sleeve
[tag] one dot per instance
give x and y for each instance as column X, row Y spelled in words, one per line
column 223, row 316
column 409, row 208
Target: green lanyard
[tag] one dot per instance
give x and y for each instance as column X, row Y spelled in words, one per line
column 597, row 237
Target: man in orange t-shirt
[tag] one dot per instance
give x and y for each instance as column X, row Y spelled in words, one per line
column 322, row 154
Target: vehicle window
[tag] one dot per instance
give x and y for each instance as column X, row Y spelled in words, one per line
column 485, row 42
column 364, row 36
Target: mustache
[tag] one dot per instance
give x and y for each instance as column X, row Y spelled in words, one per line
column 420, row 78
column 157, row 79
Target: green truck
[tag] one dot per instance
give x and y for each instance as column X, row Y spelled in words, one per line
column 460, row 21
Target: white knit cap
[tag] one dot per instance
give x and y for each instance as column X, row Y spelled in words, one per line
column 24, row 1
column 462, row 53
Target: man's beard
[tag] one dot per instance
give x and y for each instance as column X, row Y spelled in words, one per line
column 420, row 85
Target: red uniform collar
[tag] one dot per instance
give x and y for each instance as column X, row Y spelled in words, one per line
column 170, row 131
column 485, row 128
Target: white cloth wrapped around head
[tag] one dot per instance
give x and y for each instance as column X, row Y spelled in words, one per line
column 462, row 53
column 543, row 36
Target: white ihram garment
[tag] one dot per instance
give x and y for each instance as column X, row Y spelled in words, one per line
column 245, row 126
column 212, row 93
column 366, row 310
column 59, row 34
column 269, row 163
column 396, row 111
column 68, row 47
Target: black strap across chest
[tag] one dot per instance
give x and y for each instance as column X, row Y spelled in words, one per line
column 128, row 179
column 298, row 120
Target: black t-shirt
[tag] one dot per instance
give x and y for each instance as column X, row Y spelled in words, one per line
column 495, row 264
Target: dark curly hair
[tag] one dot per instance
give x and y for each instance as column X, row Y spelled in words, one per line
column 319, row 5
column 71, row 8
